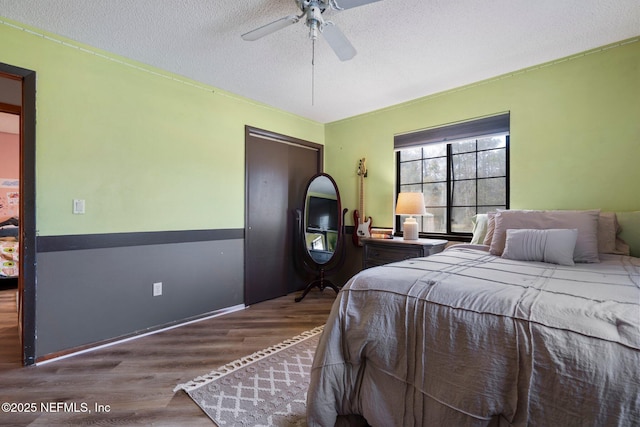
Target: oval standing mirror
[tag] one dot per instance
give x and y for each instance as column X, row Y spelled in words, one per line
column 321, row 231
column 321, row 218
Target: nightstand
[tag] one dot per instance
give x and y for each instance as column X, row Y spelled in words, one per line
column 383, row 251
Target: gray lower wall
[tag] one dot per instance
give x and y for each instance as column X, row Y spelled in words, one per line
column 86, row 296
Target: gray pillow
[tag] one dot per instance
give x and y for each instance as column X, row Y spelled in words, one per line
column 585, row 221
column 555, row 246
column 608, row 229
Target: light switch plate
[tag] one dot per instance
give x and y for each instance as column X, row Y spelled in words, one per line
column 78, row 206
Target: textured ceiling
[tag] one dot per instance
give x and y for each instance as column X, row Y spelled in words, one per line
column 406, row 48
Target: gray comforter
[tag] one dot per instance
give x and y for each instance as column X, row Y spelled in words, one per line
column 464, row 338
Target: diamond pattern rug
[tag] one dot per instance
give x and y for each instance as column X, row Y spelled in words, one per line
column 267, row 388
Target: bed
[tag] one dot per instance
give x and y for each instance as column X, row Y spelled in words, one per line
column 9, row 249
column 477, row 336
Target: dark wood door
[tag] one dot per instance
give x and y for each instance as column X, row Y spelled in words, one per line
column 277, row 171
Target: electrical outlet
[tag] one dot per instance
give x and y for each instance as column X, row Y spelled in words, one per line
column 157, row 289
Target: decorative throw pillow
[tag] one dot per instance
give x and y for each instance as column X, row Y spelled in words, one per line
column 554, row 246
column 586, row 222
column 479, row 222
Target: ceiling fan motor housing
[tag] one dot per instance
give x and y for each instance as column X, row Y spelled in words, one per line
column 314, row 18
column 304, row 4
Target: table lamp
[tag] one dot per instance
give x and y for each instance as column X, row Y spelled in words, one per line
column 410, row 204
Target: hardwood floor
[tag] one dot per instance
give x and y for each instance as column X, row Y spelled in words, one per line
column 136, row 378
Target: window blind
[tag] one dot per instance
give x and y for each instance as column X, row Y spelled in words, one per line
column 462, row 130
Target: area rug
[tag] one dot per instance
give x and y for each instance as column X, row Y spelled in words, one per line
column 267, row 388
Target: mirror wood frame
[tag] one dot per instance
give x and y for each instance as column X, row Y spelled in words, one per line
column 308, row 263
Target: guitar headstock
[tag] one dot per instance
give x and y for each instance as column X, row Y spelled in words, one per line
column 362, row 167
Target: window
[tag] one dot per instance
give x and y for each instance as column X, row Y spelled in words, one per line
column 462, row 170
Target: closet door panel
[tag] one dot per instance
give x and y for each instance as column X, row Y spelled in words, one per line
column 277, row 171
column 267, row 203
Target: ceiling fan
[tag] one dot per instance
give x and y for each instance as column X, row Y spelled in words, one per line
column 312, row 10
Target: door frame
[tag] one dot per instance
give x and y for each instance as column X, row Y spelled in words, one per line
column 27, row 227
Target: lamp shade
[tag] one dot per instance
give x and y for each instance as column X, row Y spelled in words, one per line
column 410, row 204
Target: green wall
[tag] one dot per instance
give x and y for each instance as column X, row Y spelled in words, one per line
column 150, row 151
column 575, row 134
column 147, row 150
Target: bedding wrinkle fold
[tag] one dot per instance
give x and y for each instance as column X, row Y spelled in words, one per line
column 465, row 338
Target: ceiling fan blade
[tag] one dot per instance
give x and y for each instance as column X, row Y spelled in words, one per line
column 350, row 4
column 270, row 28
column 338, row 42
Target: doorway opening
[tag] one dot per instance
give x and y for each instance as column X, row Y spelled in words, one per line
column 9, row 230
column 17, row 100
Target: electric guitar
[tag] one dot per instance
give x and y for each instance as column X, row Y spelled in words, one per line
column 363, row 227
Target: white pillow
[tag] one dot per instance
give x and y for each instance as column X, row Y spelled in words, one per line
column 479, row 222
column 555, row 246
